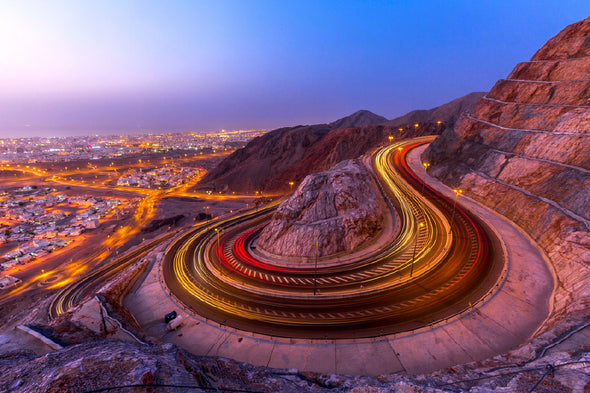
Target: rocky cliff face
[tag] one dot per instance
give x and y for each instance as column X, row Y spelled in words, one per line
column 340, row 208
column 525, row 152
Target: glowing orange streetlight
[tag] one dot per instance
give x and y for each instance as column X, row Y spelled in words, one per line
column 416, row 125
column 390, row 137
column 291, row 184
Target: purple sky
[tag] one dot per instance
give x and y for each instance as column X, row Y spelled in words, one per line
column 77, row 67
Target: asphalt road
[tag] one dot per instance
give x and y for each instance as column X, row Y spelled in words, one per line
column 430, row 271
column 80, row 289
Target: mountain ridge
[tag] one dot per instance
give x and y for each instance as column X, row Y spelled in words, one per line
column 359, row 118
column 448, row 112
column 271, row 161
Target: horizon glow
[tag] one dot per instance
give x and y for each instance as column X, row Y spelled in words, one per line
column 71, row 67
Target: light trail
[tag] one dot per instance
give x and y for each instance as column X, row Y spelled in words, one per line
column 74, row 292
column 224, row 282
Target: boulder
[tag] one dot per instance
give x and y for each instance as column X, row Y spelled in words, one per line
column 340, row 209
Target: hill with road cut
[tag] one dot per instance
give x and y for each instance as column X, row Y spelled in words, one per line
column 525, row 152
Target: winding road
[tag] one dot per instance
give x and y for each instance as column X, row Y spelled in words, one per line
column 442, row 260
column 72, row 294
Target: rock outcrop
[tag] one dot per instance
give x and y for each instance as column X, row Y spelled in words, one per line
column 525, row 152
column 341, row 209
column 117, row 366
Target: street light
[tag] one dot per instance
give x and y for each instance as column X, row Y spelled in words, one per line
column 219, row 230
column 457, row 192
column 291, row 184
column 315, row 272
column 425, row 165
column 420, row 225
column 390, row 137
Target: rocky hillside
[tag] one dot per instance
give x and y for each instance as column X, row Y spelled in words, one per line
column 358, row 119
column 525, row 152
column 447, row 113
column 340, row 209
column 256, row 166
column 270, row 162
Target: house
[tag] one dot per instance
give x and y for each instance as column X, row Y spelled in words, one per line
column 40, row 243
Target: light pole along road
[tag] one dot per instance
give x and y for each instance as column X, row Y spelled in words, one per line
column 423, row 275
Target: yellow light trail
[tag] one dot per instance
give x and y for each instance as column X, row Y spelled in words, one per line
column 200, row 279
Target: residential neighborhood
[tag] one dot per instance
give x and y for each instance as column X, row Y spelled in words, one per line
column 35, row 221
column 165, row 177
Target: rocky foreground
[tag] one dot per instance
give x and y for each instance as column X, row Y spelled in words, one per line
column 131, row 367
column 340, row 209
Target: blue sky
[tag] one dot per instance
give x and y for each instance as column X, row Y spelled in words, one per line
column 75, row 67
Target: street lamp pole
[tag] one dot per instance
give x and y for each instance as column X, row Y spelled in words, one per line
column 420, row 225
column 425, row 165
column 291, row 183
column 218, row 230
column 457, row 193
column 315, row 272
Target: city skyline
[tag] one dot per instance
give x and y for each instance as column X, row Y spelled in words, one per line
column 72, row 68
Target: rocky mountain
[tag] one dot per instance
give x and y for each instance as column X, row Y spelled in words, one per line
column 270, row 162
column 525, row 152
column 251, row 168
column 358, row 119
column 255, row 167
column 447, row 113
column 340, row 209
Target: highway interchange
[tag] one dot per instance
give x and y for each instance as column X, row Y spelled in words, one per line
column 441, row 262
